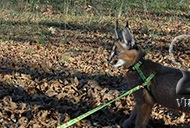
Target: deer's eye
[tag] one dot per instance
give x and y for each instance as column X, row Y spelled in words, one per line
column 117, row 53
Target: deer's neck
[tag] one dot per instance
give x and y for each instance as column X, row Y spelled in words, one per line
column 147, row 67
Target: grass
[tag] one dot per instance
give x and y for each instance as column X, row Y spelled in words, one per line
column 31, row 19
column 29, row 51
column 65, row 58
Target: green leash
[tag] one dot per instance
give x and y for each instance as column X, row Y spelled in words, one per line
column 77, row 119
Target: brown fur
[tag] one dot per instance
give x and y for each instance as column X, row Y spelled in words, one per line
column 159, row 88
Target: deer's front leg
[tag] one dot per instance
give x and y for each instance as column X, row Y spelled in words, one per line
column 130, row 122
column 143, row 114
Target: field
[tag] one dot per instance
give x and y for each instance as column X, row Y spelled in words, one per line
column 53, row 59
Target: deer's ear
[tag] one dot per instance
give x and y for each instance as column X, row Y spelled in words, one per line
column 127, row 24
column 117, row 31
column 128, row 38
column 125, row 35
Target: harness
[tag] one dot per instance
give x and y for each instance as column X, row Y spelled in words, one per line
column 136, row 67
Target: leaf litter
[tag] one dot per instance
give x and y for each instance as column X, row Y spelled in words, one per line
column 45, row 85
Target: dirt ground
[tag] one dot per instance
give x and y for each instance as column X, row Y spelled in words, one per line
column 45, row 85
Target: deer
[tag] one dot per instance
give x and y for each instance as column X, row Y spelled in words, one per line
column 162, row 88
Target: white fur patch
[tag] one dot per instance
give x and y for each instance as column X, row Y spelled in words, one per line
column 124, row 45
column 132, row 42
column 119, row 63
